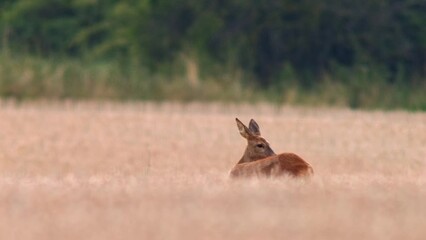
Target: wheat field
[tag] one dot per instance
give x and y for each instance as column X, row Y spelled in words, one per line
column 85, row 170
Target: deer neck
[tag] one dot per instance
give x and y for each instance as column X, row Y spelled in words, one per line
column 249, row 157
column 243, row 160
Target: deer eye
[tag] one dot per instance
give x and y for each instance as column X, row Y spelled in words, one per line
column 259, row 145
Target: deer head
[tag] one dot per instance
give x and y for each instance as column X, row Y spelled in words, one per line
column 257, row 147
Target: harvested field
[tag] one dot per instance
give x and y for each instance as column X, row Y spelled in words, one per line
column 160, row 171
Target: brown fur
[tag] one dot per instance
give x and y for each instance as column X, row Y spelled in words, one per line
column 260, row 160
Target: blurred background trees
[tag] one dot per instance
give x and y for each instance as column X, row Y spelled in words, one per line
column 272, row 43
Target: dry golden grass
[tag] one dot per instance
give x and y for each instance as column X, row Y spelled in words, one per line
column 147, row 171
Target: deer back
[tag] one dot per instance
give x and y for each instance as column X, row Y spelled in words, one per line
column 279, row 165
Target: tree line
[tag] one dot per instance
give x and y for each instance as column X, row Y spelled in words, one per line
column 262, row 38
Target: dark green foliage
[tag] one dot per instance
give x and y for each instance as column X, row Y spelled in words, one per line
column 273, row 43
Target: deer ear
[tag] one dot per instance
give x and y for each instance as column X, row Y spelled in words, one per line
column 254, row 127
column 244, row 131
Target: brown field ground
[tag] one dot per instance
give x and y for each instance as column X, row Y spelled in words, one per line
column 160, row 171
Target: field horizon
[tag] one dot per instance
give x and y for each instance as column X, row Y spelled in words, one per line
column 143, row 170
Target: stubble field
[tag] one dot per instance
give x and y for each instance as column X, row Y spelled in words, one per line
column 160, row 171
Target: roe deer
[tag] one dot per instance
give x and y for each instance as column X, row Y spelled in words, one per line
column 260, row 160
